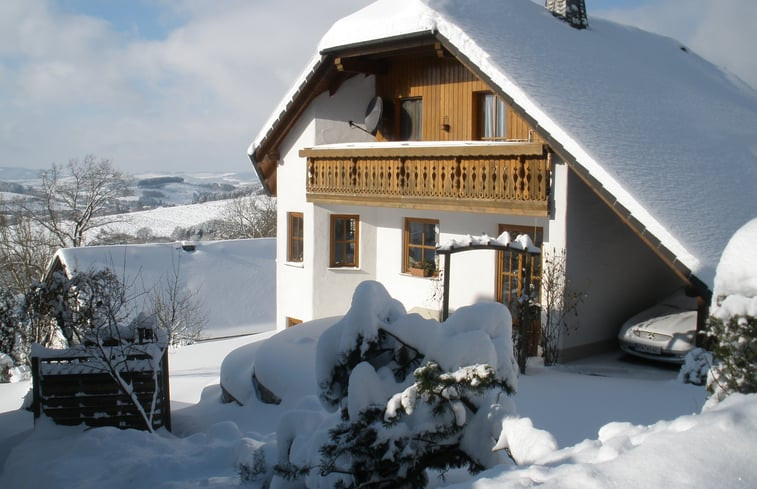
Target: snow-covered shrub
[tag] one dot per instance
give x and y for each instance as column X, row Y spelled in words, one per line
column 11, row 336
column 735, row 348
column 6, row 363
column 406, row 394
column 732, row 327
column 696, row 365
column 253, row 461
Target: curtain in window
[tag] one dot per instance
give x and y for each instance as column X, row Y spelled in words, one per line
column 487, row 125
column 501, row 124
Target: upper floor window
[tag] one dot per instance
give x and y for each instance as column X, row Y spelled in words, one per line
column 492, row 123
column 420, row 246
column 411, row 110
column 295, row 237
column 344, row 240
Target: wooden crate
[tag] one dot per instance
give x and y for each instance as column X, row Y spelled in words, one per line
column 71, row 388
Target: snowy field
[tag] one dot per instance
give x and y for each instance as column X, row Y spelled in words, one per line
column 619, row 424
column 163, row 220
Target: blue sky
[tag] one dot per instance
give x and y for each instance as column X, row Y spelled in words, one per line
column 184, row 85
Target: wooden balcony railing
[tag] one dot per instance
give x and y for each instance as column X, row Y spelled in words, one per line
column 478, row 177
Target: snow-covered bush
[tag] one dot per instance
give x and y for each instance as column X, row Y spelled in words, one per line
column 696, row 365
column 253, row 461
column 732, row 327
column 9, row 332
column 406, row 394
column 736, row 351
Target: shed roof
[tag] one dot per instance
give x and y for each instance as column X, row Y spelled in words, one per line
column 231, row 279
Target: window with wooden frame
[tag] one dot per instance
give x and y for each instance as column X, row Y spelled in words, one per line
column 420, row 246
column 345, row 240
column 512, row 278
column 492, row 117
column 510, row 265
column 411, row 119
column 295, row 238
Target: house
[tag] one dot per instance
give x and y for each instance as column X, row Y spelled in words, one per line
column 421, row 121
column 220, row 276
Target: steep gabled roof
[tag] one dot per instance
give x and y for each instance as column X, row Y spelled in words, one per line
column 663, row 136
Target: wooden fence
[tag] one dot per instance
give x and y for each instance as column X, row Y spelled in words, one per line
column 73, row 387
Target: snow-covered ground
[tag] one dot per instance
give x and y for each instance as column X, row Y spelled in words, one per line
column 618, row 423
column 163, row 220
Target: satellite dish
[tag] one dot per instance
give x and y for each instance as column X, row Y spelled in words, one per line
column 373, row 114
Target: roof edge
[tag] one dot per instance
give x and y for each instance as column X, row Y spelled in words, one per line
column 678, row 262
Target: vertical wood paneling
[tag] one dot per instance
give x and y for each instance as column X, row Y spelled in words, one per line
column 448, row 91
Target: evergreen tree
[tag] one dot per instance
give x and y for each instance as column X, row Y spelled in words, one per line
column 408, row 395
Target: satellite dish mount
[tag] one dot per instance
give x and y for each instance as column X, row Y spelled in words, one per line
column 372, row 116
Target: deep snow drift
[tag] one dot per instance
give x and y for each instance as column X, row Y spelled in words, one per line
column 603, row 413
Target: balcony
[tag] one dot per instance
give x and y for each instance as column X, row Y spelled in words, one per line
column 490, row 177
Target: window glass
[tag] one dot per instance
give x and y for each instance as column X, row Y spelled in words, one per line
column 511, row 266
column 296, row 237
column 410, row 119
column 493, row 117
column 420, row 245
column 344, row 240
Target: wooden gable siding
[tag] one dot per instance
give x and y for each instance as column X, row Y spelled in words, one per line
column 448, row 90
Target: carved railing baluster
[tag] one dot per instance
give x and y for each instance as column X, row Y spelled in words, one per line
column 488, row 179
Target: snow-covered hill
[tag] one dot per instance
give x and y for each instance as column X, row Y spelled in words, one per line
column 148, row 190
column 159, row 202
column 162, row 221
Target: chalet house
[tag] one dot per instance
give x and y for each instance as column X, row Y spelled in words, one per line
column 421, row 121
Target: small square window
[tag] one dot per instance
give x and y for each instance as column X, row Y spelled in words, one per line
column 345, row 241
column 420, row 246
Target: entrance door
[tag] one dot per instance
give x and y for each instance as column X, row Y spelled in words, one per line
column 510, row 278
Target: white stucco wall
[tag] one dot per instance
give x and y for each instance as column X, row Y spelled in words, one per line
column 333, row 112
column 294, row 283
column 620, row 274
column 303, row 288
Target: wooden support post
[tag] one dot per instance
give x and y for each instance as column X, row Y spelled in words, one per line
column 446, row 272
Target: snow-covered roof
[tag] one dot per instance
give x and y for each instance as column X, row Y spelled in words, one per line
column 668, row 136
column 231, row 279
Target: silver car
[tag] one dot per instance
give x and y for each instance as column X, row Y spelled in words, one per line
column 664, row 332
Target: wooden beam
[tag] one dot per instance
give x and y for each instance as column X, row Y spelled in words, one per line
column 516, row 208
column 423, row 150
column 354, row 65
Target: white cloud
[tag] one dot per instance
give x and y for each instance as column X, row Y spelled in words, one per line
column 194, row 99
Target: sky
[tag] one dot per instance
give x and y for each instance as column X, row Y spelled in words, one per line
column 185, row 85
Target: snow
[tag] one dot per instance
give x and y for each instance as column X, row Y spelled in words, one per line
column 736, row 278
column 603, row 413
column 234, row 280
column 658, row 127
column 531, row 443
column 689, row 451
column 164, row 220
